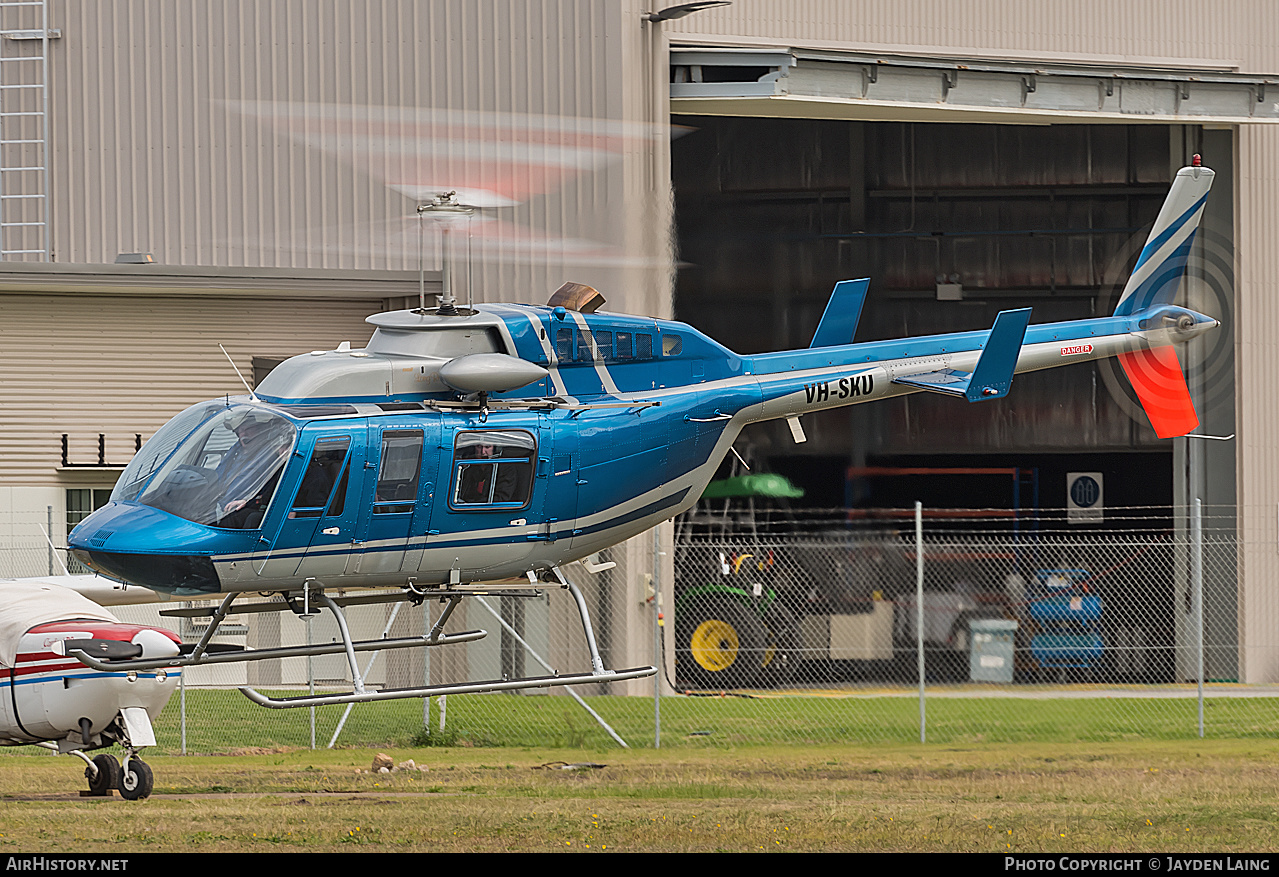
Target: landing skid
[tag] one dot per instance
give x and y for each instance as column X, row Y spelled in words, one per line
column 453, row 688
column 205, row 652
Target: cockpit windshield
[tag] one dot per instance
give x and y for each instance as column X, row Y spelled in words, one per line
column 159, row 447
column 225, row 471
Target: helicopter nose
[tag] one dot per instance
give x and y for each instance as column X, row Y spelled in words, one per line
column 144, row 546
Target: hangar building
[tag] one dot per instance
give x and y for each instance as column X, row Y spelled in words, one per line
column 177, row 176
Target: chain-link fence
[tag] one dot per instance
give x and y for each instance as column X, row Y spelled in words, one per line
column 1011, row 626
column 796, row 629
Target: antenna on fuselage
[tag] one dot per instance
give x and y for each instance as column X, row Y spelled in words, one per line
column 253, row 397
column 442, row 208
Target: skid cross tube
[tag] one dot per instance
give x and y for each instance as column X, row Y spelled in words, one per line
column 597, row 665
column 200, row 656
column 214, row 623
column 356, row 679
column 438, row 628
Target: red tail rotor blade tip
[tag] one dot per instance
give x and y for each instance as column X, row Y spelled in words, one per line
column 1161, row 387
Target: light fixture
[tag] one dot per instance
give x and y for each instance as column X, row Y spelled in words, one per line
column 672, row 12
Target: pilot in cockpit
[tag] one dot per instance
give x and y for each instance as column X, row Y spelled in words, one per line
column 250, row 467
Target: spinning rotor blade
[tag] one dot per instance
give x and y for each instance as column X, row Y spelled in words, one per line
column 489, row 159
column 497, row 239
column 1156, row 376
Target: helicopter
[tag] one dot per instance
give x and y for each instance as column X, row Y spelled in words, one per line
column 48, row 698
column 482, row 449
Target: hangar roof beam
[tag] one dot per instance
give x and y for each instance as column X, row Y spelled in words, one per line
column 798, row 83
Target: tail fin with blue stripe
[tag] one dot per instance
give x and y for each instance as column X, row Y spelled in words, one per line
column 1155, row 373
column 1155, row 279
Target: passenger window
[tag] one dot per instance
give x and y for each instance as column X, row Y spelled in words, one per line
column 321, row 474
column 564, row 345
column 585, row 346
column 624, row 345
column 493, row 468
column 643, row 346
column 398, row 473
column 672, row 344
column 604, row 344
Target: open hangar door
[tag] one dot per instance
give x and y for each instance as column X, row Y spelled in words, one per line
column 953, row 222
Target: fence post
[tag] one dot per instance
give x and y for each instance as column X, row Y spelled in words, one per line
column 426, row 667
column 182, row 709
column 1197, row 585
column 49, row 532
column 657, row 639
column 919, row 614
column 310, row 674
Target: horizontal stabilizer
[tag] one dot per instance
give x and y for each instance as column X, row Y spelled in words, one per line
column 1156, row 376
column 947, row 381
column 993, row 376
column 839, row 321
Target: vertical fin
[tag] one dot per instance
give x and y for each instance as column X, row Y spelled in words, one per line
column 993, row 374
column 1158, row 271
column 839, row 321
column 1155, row 373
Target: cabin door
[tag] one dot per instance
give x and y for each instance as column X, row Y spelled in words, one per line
column 394, row 513
column 333, row 532
column 309, row 493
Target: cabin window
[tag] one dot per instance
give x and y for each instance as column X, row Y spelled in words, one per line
column 398, row 472
column 643, row 346
column 672, row 344
column 493, row 468
column 337, row 505
column 564, row 345
column 585, row 346
column 624, row 349
column 321, row 474
column 604, row 344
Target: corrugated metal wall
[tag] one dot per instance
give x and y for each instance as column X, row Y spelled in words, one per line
column 121, row 365
column 276, row 132
column 1257, row 355
column 1103, row 31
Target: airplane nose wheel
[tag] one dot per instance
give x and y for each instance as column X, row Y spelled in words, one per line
column 136, row 779
column 106, row 776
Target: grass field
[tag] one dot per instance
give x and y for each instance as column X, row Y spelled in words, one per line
column 1029, row 798
column 733, row 774
column 221, row 720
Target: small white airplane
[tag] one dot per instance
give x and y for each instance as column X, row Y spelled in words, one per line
column 50, row 698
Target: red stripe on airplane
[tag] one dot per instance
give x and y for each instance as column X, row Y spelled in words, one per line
column 49, row 668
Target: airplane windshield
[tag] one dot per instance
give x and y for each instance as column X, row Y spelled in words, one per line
column 225, row 472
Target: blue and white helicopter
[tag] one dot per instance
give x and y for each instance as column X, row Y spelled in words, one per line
column 465, row 450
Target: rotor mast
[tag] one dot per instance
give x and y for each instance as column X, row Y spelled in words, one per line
column 444, row 209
